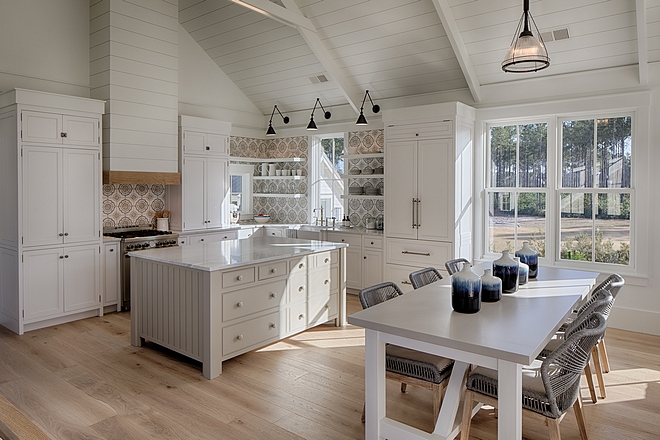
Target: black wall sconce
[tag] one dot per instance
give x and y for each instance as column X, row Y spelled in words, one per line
column 361, row 120
column 326, row 114
column 271, row 130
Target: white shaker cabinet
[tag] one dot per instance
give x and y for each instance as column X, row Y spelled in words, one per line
column 111, row 278
column 428, row 186
column 202, row 199
column 372, row 260
column 50, row 228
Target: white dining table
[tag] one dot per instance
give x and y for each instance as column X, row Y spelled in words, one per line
column 504, row 336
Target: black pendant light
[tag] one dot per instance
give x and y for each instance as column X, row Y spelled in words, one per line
column 312, row 124
column 361, row 120
column 527, row 52
column 271, row 130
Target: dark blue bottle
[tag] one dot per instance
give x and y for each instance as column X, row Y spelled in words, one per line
column 466, row 291
column 506, row 269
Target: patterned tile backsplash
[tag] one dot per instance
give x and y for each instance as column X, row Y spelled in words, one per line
column 128, row 205
column 137, row 204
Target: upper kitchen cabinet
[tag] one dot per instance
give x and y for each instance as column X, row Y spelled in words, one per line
column 50, row 224
column 53, row 128
column 202, row 199
column 428, row 185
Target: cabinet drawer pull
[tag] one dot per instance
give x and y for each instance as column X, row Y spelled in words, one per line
column 365, row 257
column 208, row 148
column 301, row 316
column 225, row 237
column 66, row 234
column 327, row 306
column 273, row 270
column 239, row 278
column 301, row 288
column 66, row 256
column 62, row 134
column 272, row 295
column 301, row 265
column 406, row 282
column 61, row 234
column 239, row 337
column 111, row 250
column 425, row 254
column 327, row 260
column 201, row 239
column 326, row 282
column 372, row 242
column 272, row 325
column 239, row 304
column 342, row 240
column 61, row 257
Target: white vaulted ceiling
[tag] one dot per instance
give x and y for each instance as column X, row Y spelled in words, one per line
column 397, row 48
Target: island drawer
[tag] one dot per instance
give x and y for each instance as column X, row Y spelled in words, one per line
column 238, row 277
column 298, row 288
column 325, row 259
column 321, row 308
column 323, row 281
column 272, row 269
column 297, row 317
column 417, row 252
column 256, row 331
column 250, row 300
column 372, row 242
column 354, row 240
column 298, row 266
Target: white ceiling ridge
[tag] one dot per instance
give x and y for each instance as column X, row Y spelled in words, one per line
column 291, row 15
column 642, row 53
column 460, row 50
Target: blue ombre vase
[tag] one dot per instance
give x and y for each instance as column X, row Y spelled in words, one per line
column 466, row 291
column 523, row 272
column 506, row 269
column 530, row 257
column 491, row 287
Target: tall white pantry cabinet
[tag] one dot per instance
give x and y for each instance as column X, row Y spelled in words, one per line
column 50, row 222
column 428, row 187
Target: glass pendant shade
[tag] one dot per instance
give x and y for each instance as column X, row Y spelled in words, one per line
column 527, row 52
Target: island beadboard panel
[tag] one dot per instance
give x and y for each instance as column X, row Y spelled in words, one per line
column 129, row 205
column 295, row 210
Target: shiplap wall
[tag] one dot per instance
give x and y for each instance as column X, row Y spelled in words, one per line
column 134, row 68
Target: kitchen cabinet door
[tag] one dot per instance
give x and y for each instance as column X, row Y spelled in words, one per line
column 217, row 144
column 205, row 143
column 401, row 187
column 372, row 267
column 81, row 277
column 194, row 142
column 111, row 269
column 217, row 192
column 42, row 219
column 435, row 185
column 55, row 128
column 192, row 184
column 43, row 286
column 81, row 193
column 81, row 130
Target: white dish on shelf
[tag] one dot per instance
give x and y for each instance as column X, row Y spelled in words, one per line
column 261, row 218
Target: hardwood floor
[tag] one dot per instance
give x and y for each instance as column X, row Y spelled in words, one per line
column 84, row 380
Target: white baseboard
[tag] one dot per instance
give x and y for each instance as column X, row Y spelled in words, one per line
column 633, row 320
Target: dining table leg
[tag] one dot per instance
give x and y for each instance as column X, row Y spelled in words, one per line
column 374, row 378
column 509, row 396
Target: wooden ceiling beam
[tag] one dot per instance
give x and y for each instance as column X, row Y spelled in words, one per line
column 642, row 50
column 457, row 43
column 291, row 15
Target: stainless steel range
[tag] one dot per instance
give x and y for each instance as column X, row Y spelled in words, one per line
column 135, row 238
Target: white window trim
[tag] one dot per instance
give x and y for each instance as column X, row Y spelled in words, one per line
column 636, row 104
column 314, row 141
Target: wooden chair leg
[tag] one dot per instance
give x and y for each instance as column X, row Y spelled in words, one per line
column 438, row 395
column 590, row 383
column 468, row 402
column 599, row 372
column 553, row 429
column 603, row 356
column 579, row 417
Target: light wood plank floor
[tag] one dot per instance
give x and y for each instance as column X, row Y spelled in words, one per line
column 84, row 380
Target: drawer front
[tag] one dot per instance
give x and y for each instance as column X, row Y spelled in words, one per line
column 417, row 252
column 435, row 129
column 256, row 331
column 298, row 266
column 399, row 275
column 250, row 300
column 321, row 309
column 323, row 282
column 237, row 278
column 297, row 317
column 353, row 240
column 325, row 259
column 298, row 288
column 372, row 242
column 273, row 269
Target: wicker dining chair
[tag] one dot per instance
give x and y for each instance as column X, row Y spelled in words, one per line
column 550, row 387
column 424, row 276
column 456, row 265
column 613, row 283
column 601, row 302
column 408, row 366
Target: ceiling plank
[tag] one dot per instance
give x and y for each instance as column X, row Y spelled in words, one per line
column 291, row 16
column 642, row 50
column 456, row 40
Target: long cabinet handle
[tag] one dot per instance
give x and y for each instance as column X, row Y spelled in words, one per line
column 413, row 212
column 406, row 282
column 418, row 223
column 426, row 254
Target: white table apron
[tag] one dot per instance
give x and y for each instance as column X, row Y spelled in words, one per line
column 387, row 324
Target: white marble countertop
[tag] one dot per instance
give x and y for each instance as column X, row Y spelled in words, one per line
column 230, row 254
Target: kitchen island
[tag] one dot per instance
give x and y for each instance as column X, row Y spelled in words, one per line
column 214, row 301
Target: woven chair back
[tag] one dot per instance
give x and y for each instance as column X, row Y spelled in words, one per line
column 424, row 276
column 379, row 293
column 456, row 265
